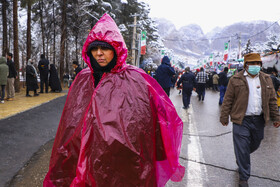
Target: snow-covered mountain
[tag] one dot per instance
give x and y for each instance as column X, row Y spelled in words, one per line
column 191, row 41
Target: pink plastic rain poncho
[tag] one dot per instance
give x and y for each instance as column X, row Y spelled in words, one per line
column 124, row 132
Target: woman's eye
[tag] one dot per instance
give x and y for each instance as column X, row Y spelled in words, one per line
column 94, row 49
column 104, row 48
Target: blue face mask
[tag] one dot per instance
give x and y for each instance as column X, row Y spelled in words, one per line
column 254, row 69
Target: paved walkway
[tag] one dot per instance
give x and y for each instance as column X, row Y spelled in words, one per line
column 22, row 103
column 27, row 129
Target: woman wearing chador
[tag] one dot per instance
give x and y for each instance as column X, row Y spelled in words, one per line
column 31, row 79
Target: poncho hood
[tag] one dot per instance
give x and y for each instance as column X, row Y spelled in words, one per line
column 106, row 30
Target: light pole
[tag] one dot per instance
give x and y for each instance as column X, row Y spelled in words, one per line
column 133, row 47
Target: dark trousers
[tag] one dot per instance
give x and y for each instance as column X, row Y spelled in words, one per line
column 2, row 92
column 27, row 91
column 44, row 81
column 186, row 96
column 215, row 87
column 247, row 138
column 223, row 90
column 201, row 90
column 167, row 91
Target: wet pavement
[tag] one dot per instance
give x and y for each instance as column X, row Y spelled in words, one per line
column 26, row 125
column 206, row 152
column 207, row 148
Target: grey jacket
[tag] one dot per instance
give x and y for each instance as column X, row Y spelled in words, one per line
column 4, row 71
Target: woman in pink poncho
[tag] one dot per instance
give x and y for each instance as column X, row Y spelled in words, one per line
column 118, row 127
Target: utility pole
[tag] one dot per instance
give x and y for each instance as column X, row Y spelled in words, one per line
column 239, row 46
column 139, row 50
column 229, row 47
column 133, row 47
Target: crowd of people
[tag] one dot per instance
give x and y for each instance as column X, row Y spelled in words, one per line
column 45, row 72
column 110, row 142
column 249, row 97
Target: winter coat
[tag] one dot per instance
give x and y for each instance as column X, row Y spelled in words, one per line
column 237, row 95
column 188, row 80
column 54, row 81
column 43, row 67
column 223, row 79
column 31, row 79
column 275, row 81
column 215, row 79
column 4, row 70
column 76, row 71
column 12, row 69
column 123, row 132
column 164, row 73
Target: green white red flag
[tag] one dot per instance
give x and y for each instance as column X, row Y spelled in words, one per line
column 226, row 52
column 143, row 42
column 211, row 60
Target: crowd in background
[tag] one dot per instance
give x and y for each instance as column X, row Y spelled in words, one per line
column 211, row 79
column 42, row 77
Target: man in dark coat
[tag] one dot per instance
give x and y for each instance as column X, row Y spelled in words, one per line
column 11, row 78
column 223, row 82
column 43, row 67
column 31, row 79
column 275, row 80
column 189, row 82
column 54, row 80
column 164, row 74
column 77, row 68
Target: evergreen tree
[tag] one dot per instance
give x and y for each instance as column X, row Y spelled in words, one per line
column 273, row 44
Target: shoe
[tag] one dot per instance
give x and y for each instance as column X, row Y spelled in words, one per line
column 10, row 99
column 28, row 95
column 243, row 184
column 36, row 94
column 185, row 107
column 2, row 101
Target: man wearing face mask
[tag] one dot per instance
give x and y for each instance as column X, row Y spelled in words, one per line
column 250, row 101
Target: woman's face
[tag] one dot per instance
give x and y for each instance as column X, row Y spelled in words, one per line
column 102, row 55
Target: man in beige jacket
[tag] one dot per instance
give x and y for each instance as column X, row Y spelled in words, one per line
column 250, row 101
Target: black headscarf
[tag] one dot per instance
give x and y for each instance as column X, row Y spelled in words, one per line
column 99, row 70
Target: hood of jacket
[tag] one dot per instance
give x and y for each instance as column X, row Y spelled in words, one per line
column 106, row 30
column 166, row 61
column 2, row 60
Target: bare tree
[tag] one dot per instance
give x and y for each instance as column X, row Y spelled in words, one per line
column 42, row 24
column 5, row 28
column 16, row 52
column 28, row 37
column 63, row 38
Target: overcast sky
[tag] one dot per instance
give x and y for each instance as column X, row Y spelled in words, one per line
column 212, row 13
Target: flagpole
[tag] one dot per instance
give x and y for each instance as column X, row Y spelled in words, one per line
column 229, row 50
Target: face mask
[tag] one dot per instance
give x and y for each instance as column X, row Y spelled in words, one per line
column 254, row 69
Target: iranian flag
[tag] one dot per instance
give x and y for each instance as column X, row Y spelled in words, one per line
column 143, row 42
column 211, row 60
column 226, row 52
